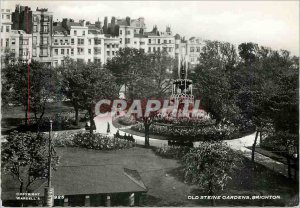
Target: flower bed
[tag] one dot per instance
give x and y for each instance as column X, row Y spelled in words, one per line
column 95, row 141
column 195, row 133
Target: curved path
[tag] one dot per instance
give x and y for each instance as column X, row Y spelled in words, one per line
column 101, row 126
column 236, row 144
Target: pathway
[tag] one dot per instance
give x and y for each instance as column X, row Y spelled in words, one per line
column 236, row 144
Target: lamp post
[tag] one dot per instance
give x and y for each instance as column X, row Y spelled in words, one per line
column 49, row 191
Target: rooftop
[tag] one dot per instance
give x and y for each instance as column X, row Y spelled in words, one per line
column 75, row 180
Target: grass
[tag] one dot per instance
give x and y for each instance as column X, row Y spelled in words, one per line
column 14, row 116
column 164, row 178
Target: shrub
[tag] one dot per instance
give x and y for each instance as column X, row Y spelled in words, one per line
column 100, row 142
column 222, row 131
column 172, row 152
column 126, row 121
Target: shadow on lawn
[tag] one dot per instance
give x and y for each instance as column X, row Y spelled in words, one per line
column 245, row 182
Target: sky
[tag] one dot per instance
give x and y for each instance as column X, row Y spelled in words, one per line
column 272, row 24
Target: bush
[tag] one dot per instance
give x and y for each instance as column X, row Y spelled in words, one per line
column 94, row 141
column 126, row 121
column 282, row 143
column 207, row 132
column 172, row 152
column 100, row 142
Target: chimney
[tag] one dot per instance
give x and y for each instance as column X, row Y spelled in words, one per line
column 98, row 24
column 128, row 21
column 65, row 22
column 82, row 23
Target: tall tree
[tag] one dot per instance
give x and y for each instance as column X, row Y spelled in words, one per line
column 146, row 76
column 86, row 84
column 42, row 86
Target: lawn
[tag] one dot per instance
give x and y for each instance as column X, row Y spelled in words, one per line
column 164, row 178
column 14, row 116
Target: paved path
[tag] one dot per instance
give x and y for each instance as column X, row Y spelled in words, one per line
column 236, row 144
column 242, row 143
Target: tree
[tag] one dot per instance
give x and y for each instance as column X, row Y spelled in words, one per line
column 86, row 84
column 212, row 80
column 209, row 166
column 25, row 156
column 69, row 83
column 146, row 76
column 42, row 86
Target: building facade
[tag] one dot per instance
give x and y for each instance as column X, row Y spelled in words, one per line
column 33, row 34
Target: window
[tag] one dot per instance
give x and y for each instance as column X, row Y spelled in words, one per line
column 34, row 28
column 1, row 28
column 108, row 53
column 113, row 46
column 176, row 46
column 90, row 41
column 44, row 52
column 34, row 52
column 198, row 49
column 45, row 29
column 97, row 51
column 72, row 51
column 128, row 32
column 113, row 53
column 89, row 60
column 56, row 51
column 121, row 32
column 7, row 42
column 170, row 41
column 80, row 41
column 8, row 16
column 7, row 28
column 45, row 40
column 192, row 49
column 72, row 41
column 68, row 50
column 158, row 49
column 154, row 49
column 13, row 41
column 120, row 40
column 80, row 51
column 34, row 18
column 158, row 41
column 97, row 41
column 108, row 46
column 1, row 42
column 83, row 33
column 149, row 40
column 127, row 40
column 165, row 41
column 62, row 51
column 149, row 49
column 75, row 32
column 46, row 18
column 62, row 62
column 90, row 51
column 135, row 42
column 170, row 49
column 24, row 42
